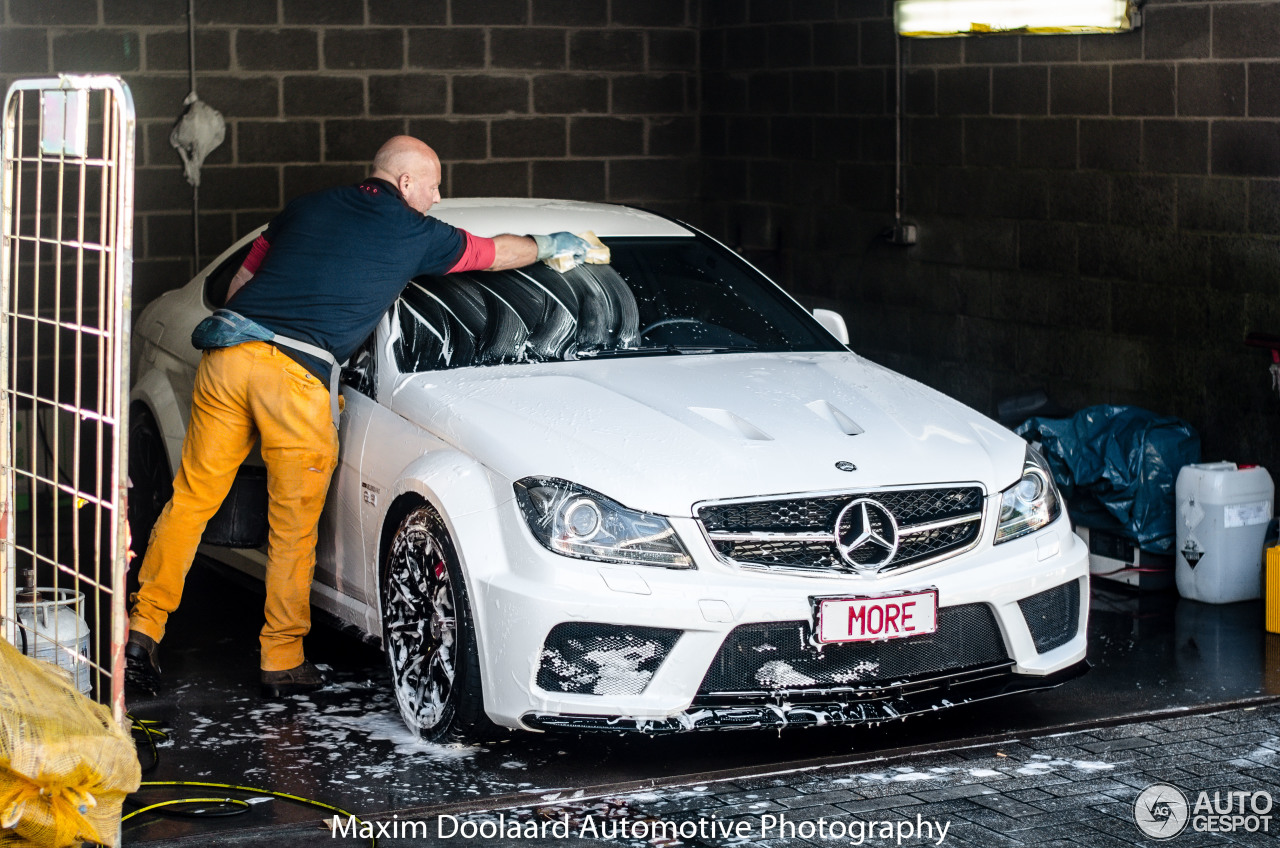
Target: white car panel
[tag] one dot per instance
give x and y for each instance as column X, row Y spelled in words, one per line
column 749, row 423
column 489, row 217
column 660, row 434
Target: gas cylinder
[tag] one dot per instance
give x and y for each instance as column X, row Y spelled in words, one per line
column 53, row 629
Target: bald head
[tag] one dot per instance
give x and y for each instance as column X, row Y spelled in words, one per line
column 411, row 166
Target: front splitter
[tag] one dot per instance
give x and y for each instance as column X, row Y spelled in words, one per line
column 789, row 710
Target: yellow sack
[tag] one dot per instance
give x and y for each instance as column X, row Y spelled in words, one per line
column 65, row 766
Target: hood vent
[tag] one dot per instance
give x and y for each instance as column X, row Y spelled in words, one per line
column 830, row 414
column 737, row 426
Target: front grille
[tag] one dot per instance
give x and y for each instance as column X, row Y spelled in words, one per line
column 1053, row 617
column 814, row 555
column 909, row 506
column 777, row 656
column 822, row 555
column 602, row 659
column 801, row 533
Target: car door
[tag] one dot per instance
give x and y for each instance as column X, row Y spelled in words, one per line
column 340, row 547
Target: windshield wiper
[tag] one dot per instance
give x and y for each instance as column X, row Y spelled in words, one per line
column 665, row 350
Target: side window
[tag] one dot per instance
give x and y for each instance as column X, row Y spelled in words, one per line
column 219, row 279
column 361, row 371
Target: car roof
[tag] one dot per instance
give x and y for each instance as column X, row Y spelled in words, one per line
column 491, row 216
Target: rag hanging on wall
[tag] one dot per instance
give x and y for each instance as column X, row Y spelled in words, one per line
column 197, row 133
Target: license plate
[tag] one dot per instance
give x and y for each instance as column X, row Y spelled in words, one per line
column 872, row 619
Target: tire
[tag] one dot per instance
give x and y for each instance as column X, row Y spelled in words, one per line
column 150, row 475
column 428, row 635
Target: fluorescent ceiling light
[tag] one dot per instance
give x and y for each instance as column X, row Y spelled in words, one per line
column 940, row 18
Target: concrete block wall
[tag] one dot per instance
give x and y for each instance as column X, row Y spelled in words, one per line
column 1099, row 215
column 562, row 98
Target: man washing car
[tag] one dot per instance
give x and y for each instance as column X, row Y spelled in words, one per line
column 313, row 288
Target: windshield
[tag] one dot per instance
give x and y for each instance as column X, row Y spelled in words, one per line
column 658, row 296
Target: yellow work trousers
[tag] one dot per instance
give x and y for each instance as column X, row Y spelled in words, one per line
column 242, row 393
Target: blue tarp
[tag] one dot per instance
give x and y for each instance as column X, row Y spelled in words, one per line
column 1117, row 465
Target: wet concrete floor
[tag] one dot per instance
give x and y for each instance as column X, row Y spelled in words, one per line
column 346, row 746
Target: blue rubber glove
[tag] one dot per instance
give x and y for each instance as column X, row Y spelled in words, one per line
column 558, row 244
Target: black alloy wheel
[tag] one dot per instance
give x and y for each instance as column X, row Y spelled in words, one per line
column 427, row 633
column 149, row 475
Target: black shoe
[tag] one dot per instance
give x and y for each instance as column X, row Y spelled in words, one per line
column 293, row 681
column 142, row 670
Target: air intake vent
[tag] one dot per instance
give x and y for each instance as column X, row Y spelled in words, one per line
column 602, row 659
column 1053, row 616
column 776, row 656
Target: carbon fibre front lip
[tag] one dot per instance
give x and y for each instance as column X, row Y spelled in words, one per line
column 794, row 711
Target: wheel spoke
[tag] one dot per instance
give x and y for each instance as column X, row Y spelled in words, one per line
column 441, row 661
column 421, row 623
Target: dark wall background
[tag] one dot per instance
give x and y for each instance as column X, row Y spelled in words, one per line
column 1099, row 216
column 561, row 98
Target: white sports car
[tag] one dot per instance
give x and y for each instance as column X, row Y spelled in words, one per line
column 653, row 495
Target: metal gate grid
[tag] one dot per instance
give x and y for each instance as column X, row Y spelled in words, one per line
column 65, row 283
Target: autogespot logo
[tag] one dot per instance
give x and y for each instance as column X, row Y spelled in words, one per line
column 1162, row 811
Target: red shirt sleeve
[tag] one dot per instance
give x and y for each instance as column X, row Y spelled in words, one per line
column 477, row 254
column 257, row 253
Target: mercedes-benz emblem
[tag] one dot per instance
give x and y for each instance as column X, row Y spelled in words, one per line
column 866, row 534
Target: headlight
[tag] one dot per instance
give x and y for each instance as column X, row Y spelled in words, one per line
column 575, row 521
column 1029, row 504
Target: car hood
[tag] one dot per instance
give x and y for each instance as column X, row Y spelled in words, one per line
column 661, row 433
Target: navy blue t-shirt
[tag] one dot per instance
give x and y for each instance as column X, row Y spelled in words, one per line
column 339, row 258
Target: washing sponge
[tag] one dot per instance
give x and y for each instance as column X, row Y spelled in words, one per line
column 598, row 254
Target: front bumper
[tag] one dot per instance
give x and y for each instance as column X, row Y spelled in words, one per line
column 521, row 593
column 887, row 704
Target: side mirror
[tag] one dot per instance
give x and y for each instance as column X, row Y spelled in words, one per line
column 834, row 324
